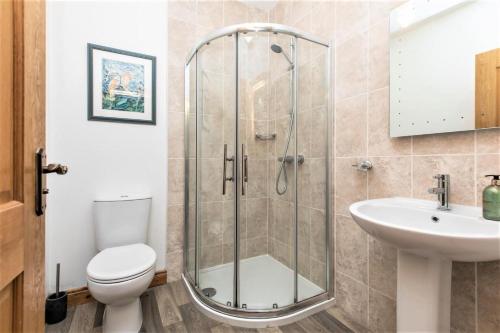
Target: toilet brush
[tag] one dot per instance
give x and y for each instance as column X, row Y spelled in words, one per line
column 56, row 304
column 58, row 272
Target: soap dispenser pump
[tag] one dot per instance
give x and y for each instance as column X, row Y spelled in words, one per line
column 491, row 199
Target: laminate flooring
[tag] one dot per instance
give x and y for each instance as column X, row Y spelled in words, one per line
column 167, row 308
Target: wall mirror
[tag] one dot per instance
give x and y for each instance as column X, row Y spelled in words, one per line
column 444, row 66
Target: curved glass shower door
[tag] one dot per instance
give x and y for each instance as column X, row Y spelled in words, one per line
column 267, row 133
column 257, row 162
column 216, row 156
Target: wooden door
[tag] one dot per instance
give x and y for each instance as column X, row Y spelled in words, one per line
column 488, row 89
column 22, row 130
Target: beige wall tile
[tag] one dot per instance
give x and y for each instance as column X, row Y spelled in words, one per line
column 210, row 14
column 257, row 218
column 488, row 141
column 175, row 135
column 304, row 88
column 352, row 298
column 304, row 184
column 176, row 90
column 382, row 311
column 176, row 181
column 323, row 20
column 351, row 249
column 283, row 225
column 256, row 149
column 383, row 267
column 257, row 178
column 256, row 246
column 350, row 185
column 319, row 140
column 174, row 265
column 175, row 228
column 211, row 223
column 351, row 67
column 378, row 63
column 210, row 182
column 318, row 273
column 460, row 169
column 304, row 241
column 211, row 256
column 181, row 39
column 379, row 141
column 319, row 79
column 318, row 183
column 446, row 143
column 182, row 10
column 257, row 15
column 380, row 10
column 235, row 12
column 350, row 127
column 318, row 235
column 488, row 296
column 390, row 177
column 300, row 9
column 463, row 297
column 351, row 18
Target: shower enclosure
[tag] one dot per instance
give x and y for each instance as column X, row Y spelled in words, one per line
column 257, row 175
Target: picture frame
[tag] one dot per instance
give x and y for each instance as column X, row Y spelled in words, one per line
column 121, row 86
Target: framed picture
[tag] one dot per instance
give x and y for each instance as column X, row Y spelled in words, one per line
column 121, row 86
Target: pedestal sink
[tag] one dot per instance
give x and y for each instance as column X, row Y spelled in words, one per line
column 427, row 240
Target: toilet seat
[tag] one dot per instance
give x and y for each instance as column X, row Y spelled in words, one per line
column 121, row 263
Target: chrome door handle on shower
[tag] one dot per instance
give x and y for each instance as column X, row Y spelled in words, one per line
column 224, row 177
column 244, row 165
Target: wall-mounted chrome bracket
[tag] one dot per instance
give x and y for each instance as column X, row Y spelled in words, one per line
column 363, row 166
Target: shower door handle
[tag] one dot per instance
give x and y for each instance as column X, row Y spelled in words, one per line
column 244, row 166
column 224, row 177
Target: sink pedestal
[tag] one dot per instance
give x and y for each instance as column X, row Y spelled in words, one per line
column 424, row 293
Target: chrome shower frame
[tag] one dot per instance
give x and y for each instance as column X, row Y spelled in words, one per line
column 193, row 284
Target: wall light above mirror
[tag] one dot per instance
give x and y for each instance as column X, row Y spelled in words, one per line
column 444, row 66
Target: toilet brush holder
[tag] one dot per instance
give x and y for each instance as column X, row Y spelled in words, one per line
column 56, row 304
column 56, row 307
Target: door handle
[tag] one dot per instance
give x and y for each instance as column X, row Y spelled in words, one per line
column 57, row 168
column 224, row 177
column 40, row 188
column 244, row 165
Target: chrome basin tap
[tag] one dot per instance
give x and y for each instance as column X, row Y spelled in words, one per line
column 442, row 191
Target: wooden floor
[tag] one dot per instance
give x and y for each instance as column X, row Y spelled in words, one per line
column 167, row 308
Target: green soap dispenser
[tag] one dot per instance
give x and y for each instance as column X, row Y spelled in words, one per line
column 491, row 199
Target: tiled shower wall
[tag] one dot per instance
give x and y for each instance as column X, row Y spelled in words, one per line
column 365, row 268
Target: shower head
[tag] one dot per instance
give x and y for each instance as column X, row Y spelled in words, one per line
column 278, row 49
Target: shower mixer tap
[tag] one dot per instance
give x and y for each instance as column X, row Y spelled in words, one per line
column 289, row 159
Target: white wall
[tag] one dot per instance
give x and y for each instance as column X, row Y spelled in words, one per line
column 103, row 158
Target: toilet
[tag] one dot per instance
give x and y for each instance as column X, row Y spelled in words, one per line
column 125, row 265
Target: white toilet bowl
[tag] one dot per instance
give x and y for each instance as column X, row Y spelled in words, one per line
column 117, row 277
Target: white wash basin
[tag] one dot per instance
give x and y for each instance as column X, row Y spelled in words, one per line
column 427, row 240
column 459, row 234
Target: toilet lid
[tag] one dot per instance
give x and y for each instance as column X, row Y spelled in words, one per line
column 120, row 262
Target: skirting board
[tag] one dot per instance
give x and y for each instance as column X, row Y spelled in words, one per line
column 82, row 295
